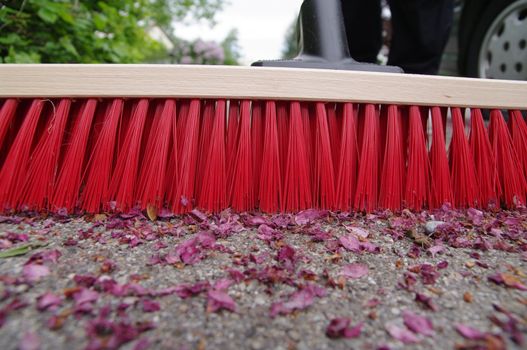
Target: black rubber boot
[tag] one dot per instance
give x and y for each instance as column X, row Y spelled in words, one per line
column 323, row 42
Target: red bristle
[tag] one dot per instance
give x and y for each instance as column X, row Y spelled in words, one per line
column 154, row 175
column 392, row 176
column 383, row 120
column 510, row 172
column 179, row 129
column 270, row 180
column 282, row 116
column 172, row 175
column 444, row 116
column 367, row 192
column 125, row 176
column 309, row 115
column 417, row 184
column 257, row 136
column 232, row 135
column 181, row 125
column 356, row 111
column 425, row 115
column 68, row 184
column 7, row 112
column 463, row 112
column 441, row 185
column 324, row 174
column 489, row 186
column 124, row 122
column 11, row 116
column 361, row 113
column 334, row 125
column 16, row 164
column 93, row 137
column 213, row 195
column 100, row 166
column 150, row 142
column 348, row 160
column 44, row 166
column 297, row 188
column 518, row 129
column 182, row 201
column 404, row 121
column 309, row 140
column 462, row 167
column 241, row 186
column 155, row 108
column 207, row 123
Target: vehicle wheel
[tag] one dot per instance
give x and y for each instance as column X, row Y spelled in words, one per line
column 498, row 48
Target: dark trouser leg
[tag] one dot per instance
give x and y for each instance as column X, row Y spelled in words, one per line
column 363, row 28
column 420, row 32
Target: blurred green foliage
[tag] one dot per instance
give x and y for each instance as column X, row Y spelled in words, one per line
column 87, row 31
column 231, row 49
column 290, row 48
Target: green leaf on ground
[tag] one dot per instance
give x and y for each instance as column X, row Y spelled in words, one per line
column 22, row 250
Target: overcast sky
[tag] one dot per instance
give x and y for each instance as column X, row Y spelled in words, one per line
column 261, row 26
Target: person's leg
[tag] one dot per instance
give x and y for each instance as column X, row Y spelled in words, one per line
column 420, row 32
column 363, row 28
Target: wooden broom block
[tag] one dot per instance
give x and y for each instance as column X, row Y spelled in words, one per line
column 178, row 81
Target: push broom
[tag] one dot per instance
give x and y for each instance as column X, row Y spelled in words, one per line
column 284, row 137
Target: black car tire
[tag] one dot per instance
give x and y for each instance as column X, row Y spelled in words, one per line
column 472, row 46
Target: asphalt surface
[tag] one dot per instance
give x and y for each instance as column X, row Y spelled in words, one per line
column 265, row 282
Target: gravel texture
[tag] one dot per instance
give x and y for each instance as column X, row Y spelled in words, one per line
column 295, row 266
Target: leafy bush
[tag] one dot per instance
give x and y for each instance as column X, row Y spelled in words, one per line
column 87, row 31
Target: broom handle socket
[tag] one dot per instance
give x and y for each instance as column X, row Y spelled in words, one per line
column 323, row 43
column 322, row 31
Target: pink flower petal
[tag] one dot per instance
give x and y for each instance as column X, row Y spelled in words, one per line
column 442, row 265
column 150, row 306
column 469, row 332
column 357, row 231
column 287, row 256
column 29, row 341
column 401, row 334
column 354, row 271
column 340, row 328
column 307, row 216
column 337, row 326
column 142, row 344
column 476, row 216
column 222, row 284
column 34, row 272
column 350, row 242
column 369, row 247
column 426, row 301
column 266, row 233
column 48, row 300
column 185, row 291
column 85, row 296
column 198, row 215
column 218, row 300
column 255, row 220
column 435, row 250
column 4, row 244
column 507, row 280
column 52, row 255
column 299, row 300
column 418, row 324
column 353, row 332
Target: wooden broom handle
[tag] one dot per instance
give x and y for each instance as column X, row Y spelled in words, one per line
column 63, row 80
